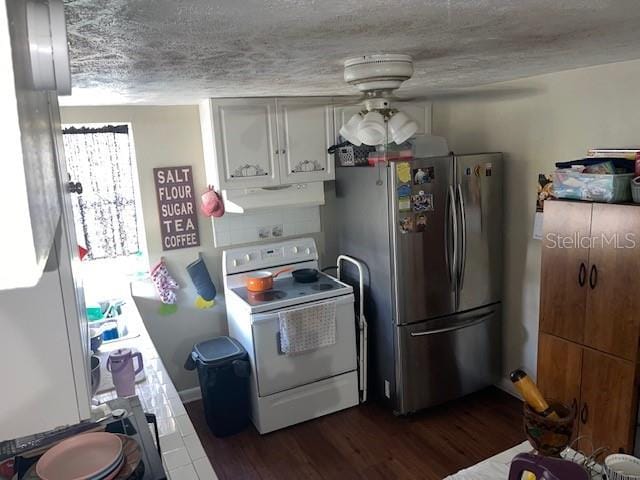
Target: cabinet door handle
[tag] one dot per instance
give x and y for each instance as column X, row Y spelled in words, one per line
column 584, row 414
column 593, row 277
column 582, row 274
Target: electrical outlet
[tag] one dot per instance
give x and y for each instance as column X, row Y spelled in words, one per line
column 264, row 232
column 277, row 230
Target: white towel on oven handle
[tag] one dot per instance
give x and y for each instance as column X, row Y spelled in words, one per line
column 307, row 328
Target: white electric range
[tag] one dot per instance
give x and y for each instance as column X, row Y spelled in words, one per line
column 288, row 389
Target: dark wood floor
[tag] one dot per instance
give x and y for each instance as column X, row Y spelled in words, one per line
column 368, row 442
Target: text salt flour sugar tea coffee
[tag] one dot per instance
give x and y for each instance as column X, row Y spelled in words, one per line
column 176, row 207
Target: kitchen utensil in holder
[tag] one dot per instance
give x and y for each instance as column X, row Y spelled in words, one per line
column 549, row 437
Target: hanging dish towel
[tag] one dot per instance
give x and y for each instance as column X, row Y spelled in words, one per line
column 305, row 329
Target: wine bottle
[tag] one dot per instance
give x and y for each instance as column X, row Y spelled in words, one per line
column 532, row 395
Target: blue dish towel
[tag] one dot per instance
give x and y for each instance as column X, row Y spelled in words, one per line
column 201, row 279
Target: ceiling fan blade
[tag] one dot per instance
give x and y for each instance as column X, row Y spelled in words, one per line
column 348, row 101
column 414, row 98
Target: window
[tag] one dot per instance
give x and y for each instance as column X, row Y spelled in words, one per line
column 106, row 214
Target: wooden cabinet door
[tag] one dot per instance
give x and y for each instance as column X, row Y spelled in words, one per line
column 563, row 278
column 559, row 369
column 613, row 306
column 607, row 410
column 246, row 142
column 306, row 131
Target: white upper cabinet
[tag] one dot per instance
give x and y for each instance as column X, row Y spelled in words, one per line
column 243, row 140
column 305, row 130
column 264, row 142
column 30, row 193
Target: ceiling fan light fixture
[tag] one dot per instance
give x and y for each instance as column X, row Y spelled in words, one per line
column 372, row 130
column 349, row 131
column 401, row 127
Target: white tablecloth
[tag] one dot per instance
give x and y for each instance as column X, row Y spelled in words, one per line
column 497, row 467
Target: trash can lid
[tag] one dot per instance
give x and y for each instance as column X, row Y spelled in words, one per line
column 218, row 351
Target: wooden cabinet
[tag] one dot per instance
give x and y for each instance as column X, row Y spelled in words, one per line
column 607, row 411
column 265, row 142
column 612, row 322
column 559, row 369
column 563, row 275
column 589, row 321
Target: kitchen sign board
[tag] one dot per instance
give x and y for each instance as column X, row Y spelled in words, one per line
column 176, row 207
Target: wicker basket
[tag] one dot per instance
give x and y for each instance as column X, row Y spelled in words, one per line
column 635, row 189
column 549, row 437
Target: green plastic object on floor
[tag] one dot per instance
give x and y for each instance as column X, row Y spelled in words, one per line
column 168, row 309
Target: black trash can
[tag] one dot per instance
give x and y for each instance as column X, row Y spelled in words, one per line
column 223, row 370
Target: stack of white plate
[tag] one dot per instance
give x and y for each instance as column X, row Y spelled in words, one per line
column 622, row 467
column 88, row 456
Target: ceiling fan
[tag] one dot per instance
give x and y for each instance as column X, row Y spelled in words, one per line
column 377, row 77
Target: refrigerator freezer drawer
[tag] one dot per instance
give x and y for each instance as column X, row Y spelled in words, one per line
column 447, row 358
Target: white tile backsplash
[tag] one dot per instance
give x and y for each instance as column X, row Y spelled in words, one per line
column 235, row 229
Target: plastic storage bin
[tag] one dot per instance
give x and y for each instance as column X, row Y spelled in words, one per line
column 223, row 370
column 592, row 187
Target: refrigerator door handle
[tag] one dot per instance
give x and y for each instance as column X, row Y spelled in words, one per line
column 453, row 219
column 470, row 323
column 463, row 228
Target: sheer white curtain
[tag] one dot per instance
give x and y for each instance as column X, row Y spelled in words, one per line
column 105, row 213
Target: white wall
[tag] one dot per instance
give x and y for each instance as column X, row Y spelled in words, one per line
column 163, row 137
column 555, row 117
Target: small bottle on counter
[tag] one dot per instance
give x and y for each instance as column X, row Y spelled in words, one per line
column 532, row 394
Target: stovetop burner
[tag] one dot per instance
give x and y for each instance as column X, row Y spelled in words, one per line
column 321, row 287
column 288, row 292
column 268, row 296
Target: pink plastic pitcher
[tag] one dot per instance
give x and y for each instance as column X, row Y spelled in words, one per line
column 120, row 364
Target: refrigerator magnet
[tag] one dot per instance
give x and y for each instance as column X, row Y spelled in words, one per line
column 421, row 222
column 422, row 202
column 404, row 191
column 404, row 204
column 487, row 169
column 403, row 171
column 406, row 224
column 423, row 175
column 467, row 171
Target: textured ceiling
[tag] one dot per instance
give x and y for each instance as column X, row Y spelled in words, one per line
column 180, row 51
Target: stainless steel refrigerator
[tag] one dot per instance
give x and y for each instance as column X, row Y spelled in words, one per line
column 430, row 233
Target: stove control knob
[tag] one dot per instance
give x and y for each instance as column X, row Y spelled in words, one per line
column 235, row 263
column 308, row 251
column 247, row 257
column 296, row 250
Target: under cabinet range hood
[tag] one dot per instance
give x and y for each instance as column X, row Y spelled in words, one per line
column 251, row 199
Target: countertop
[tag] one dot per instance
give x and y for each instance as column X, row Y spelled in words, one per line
column 183, row 456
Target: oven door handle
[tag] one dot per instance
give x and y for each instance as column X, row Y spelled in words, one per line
column 273, row 315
